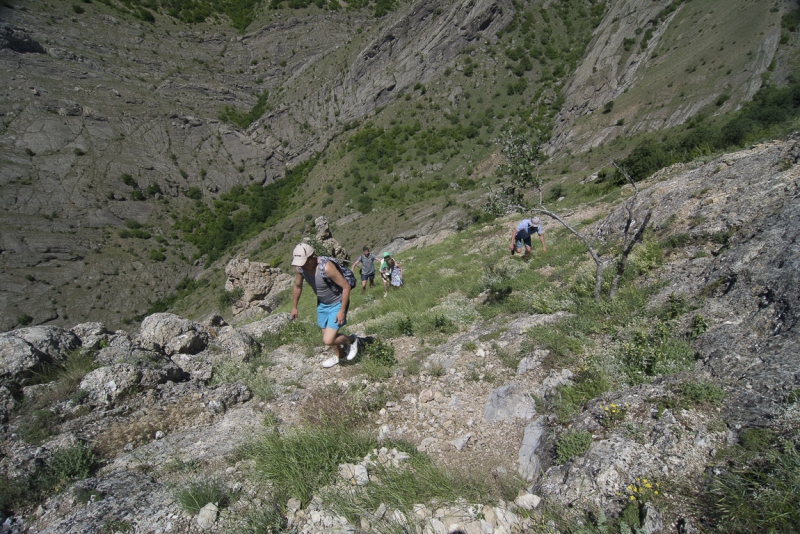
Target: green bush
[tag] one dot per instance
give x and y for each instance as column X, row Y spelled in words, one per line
column 194, row 193
column 380, row 352
column 156, row 255
column 66, row 465
column 569, row 399
column 655, row 352
column 405, row 326
column 572, row 443
column 702, row 393
column 227, row 298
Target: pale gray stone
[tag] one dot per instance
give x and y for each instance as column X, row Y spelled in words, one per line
column 529, row 463
column 508, row 402
column 460, row 442
column 651, row 519
column 207, row 516
column 528, row 501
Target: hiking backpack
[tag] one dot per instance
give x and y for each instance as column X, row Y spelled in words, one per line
column 346, row 273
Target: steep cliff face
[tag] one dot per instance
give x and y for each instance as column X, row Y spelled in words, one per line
column 661, row 63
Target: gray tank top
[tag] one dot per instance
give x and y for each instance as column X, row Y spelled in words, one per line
column 326, row 294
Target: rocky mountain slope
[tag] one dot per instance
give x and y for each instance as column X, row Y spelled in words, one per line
column 110, row 121
column 153, row 410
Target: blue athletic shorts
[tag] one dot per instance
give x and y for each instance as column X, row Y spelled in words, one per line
column 370, row 276
column 326, row 315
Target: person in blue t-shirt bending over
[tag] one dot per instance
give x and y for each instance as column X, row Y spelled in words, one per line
column 522, row 235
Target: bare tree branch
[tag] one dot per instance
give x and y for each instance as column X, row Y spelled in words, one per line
column 627, row 244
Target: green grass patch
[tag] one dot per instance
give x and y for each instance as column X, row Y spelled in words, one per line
column 241, row 119
column 695, row 393
column 759, row 491
column 301, row 462
column 418, row 480
column 570, row 399
column 377, row 360
column 194, row 495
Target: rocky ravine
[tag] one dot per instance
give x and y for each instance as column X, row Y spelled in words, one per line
column 150, row 405
column 137, row 100
column 99, row 108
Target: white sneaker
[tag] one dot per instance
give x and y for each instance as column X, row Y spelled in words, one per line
column 353, row 348
column 330, row 362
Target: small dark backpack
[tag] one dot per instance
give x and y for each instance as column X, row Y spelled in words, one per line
column 346, row 273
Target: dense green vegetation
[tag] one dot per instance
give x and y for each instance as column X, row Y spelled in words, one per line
column 771, row 109
column 245, row 119
column 379, row 7
column 240, row 12
column 240, row 213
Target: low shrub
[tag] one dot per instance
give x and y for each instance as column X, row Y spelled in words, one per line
column 696, row 393
column 378, row 360
column 227, row 298
column 654, row 352
column 572, row 443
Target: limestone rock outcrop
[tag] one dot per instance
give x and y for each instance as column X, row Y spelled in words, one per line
column 169, row 334
column 26, row 350
column 258, row 282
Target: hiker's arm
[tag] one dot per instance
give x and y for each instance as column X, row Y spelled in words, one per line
column 336, row 277
column 513, row 237
column 541, row 238
column 296, row 291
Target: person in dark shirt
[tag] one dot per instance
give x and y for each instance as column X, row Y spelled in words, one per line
column 367, row 261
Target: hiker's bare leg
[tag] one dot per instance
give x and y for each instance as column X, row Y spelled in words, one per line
column 333, row 338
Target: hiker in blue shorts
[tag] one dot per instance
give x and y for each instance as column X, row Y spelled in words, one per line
column 333, row 298
column 521, row 236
